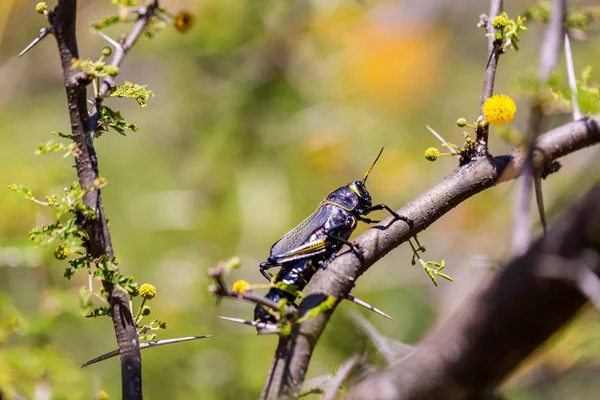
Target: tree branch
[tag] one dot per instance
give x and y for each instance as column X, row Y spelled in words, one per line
column 86, row 164
column 294, row 351
column 504, row 321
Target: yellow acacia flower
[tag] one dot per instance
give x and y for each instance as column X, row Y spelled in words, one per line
column 432, row 154
column 240, row 286
column 499, row 109
column 147, row 291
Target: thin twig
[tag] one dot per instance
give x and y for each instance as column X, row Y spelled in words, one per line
column 489, row 75
column 381, row 343
column 340, row 376
column 145, row 13
column 549, row 55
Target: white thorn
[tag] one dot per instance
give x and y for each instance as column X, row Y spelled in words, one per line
column 368, row 306
column 145, row 345
column 437, row 135
column 572, row 80
column 263, row 328
column 110, row 40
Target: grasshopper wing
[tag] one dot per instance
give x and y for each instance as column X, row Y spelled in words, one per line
column 293, row 244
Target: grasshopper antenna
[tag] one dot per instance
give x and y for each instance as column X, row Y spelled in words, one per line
column 371, row 167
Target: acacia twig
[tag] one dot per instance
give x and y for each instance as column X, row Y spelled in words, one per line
column 506, row 319
column 86, row 163
column 489, row 75
column 294, row 351
column 549, row 55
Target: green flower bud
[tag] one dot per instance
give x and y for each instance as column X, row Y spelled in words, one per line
column 106, row 51
column 461, row 122
column 432, row 154
column 111, row 70
column 499, row 22
column 146, row 311
column 61, row 252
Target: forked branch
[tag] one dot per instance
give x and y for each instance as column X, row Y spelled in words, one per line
column 294, row 352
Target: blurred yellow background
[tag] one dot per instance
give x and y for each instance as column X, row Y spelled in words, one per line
column 260, row 110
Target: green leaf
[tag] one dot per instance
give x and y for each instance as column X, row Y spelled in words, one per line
column 113, row 119
column 106, row 22
column 440, row 274
column 134, row 91
column 99, row 312
column 52, row 146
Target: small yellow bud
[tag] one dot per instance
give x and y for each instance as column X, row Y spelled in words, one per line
column 461, row 122
column 232, row 263
column 61, row 252
column 106, row 51
column 101, row 395
column 99, row 66
column 41, row 8
column 240, row 286
column 147, row 291
column 499, row 22
column 432, row 154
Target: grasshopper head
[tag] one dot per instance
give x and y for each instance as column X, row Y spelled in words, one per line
column 360, row 189
column 364, row 198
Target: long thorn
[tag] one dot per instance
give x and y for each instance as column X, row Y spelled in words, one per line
column 368, row 306
column 441, row 139
column 572, row 80
column 43, row 33
column 110, row 40
column 145, row 346
column 263, row 328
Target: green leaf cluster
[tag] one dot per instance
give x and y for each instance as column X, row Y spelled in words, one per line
column 577, row 16
column 113, row 120
column 95, row 69
column 507, row 30
column 133, row 91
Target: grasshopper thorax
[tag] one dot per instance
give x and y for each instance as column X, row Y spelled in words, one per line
column 353, row 197
column 363, row 196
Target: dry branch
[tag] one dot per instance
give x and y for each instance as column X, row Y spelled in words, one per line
column 294, row 352
column 504, row 321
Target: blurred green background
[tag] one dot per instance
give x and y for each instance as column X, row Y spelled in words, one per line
column 261, row 109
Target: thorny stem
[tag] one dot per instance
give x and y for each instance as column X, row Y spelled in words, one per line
column 489, row 75
column 86, row 163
